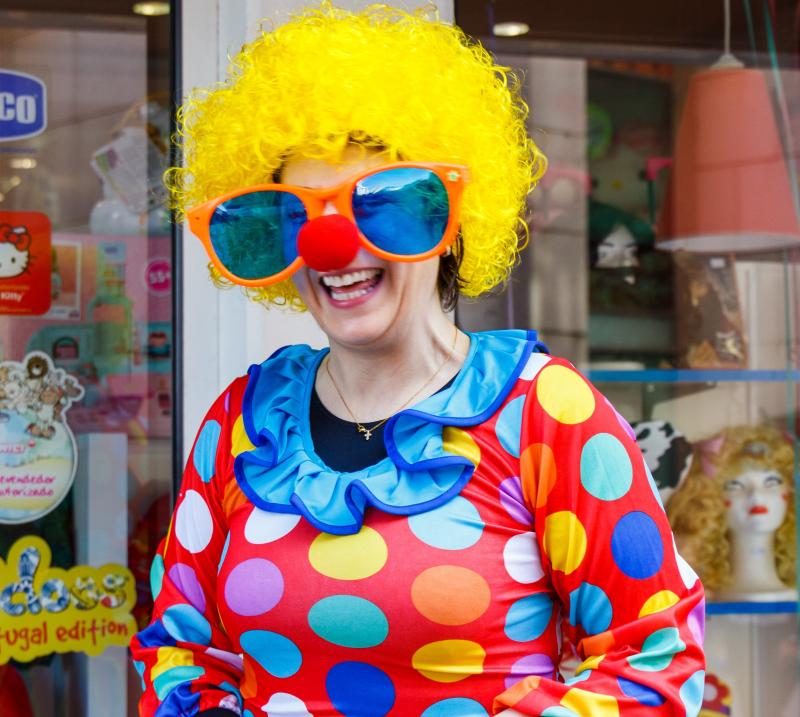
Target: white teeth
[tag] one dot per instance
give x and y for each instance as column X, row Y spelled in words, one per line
column 347, row 295
column 351, row 278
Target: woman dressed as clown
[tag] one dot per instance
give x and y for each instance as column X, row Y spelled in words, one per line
column 417, row 521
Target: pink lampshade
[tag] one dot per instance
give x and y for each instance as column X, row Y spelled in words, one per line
column 729, row 189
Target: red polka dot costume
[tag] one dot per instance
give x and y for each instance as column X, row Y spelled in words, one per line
column 513, row 521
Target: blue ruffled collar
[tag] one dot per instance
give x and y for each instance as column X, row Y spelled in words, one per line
column 283, row 473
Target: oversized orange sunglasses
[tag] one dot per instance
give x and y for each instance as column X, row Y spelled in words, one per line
column 261, row 235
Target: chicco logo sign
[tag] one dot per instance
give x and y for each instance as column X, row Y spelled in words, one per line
column 23, row 107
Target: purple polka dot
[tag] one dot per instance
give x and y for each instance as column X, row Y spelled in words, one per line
column 253, row 587
column 697, row 622
column 185, row 579
column 538, row 664
column 228, row 402
column 622, row 422
column 512, row 500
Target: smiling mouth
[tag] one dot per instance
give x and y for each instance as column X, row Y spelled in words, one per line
column 351, row 285
column 758, row 510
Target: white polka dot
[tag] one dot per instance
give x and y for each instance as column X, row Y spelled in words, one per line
column 688, row 575
column 265, row 526
column 535, row 364
column 229, row 658
column 282, row 704
column 193, row 523
column 522, row 559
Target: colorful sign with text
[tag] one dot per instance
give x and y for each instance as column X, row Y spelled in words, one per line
column 26, row 251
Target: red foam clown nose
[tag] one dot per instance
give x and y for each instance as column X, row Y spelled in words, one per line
column 328, row 242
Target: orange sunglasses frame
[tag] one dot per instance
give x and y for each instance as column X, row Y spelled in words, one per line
column 453, row 176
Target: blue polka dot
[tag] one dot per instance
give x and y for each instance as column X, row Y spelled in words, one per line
column 657, row 651
column 187, row 624
column 557, row 711
column 277, row 654
column 348, row 621
column 643, row 694
column 528, row 617
column 509, row 425
column 205, row 450
column 653, row 486
column 585, row 675
column 456, row 707
column 224, row 551
column 590, row 607
column 637, row 546
column 692, row 693
column 156, row 576
column 166, row 681
column 606, row 470
column 456, row 525
column 228, row 687
column 357, row 689
column 247, row 713
column 140, row 669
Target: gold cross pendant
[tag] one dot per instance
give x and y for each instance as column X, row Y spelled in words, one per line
column 367, row 433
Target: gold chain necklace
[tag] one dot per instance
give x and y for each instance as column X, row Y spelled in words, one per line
column 369, row 431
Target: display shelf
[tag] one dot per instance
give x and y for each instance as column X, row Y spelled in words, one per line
column 752, row 608
column 692, row 375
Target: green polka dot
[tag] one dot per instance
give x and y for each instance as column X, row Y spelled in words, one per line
column 606, row 470
column 658, row 650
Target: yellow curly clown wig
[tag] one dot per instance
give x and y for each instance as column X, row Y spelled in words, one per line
column 405, row 83
column 697, row 510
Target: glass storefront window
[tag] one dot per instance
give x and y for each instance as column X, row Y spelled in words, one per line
column 86, row 349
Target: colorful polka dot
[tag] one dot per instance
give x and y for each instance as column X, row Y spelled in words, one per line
column 456, row 707
column 538, row 467
column 564, row 541
column 348, row 621
column 170, row 657
column 194, row 526
column 509, row 425
column 621, row 420
column 636, row 545
column 139, row 666
column 449, row 660
column 657, row 651
column 536, row 664
column 691, row 692
column 277, row 654
column 564, row 395
column 536, row 363
column 184, row 578
column 513, row 500
column 357, row 689
column 282, row 704
column 224, row 552
column 456, row 525
column 590, row 704
column 528, row 617
column 580, row 677
column 348, row 557
column 450, row 594
column 522, row 559
column 696, row 622
column 169, row 680
column 266, row 527
column 662, row 600
column 590, row 607
column 606, row 470
column 156, row 576
column 556, row 711
column 253, row 587
column 205, row 450
column 239, row 440
column 590, row 663
column 186, row 624
column 228, row 658
column 457, row 441
column 643, row 694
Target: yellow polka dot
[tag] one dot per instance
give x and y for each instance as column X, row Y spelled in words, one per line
column 449, row 660
column 564, row 540
column 590, row 663
column 239, row 440
column 564, row 394
column 348, row 557
column 590, row 704
column 658, row 602
column 169, row 657
column 454, row 440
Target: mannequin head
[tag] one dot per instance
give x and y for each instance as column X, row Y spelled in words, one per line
column 740, row 484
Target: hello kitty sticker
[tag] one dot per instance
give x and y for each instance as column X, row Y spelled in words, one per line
column 38, row 455
column 25, row 263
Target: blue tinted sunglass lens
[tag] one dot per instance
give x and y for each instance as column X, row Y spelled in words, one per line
column 255, row 235
column 403, row 210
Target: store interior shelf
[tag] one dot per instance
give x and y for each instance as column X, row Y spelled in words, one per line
column 752, row 608
column 692, row 375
